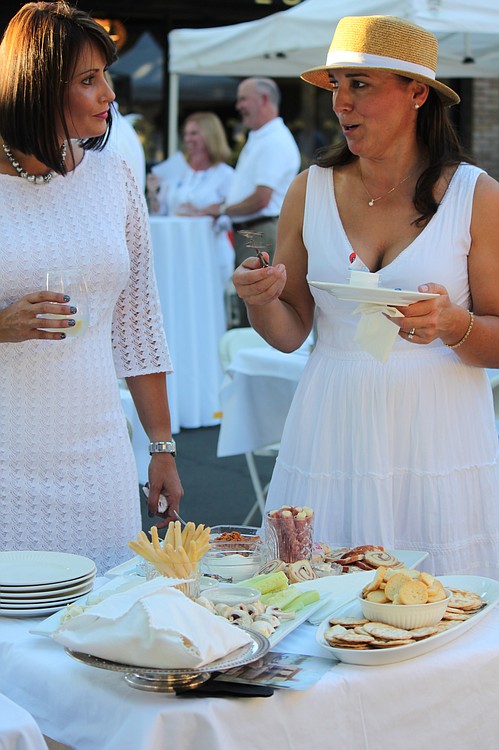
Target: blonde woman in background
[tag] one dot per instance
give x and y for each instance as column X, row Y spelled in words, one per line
column 183, row 184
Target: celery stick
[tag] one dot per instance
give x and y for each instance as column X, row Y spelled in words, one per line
column 267, row 583
column 281, row 598
column 303, row 600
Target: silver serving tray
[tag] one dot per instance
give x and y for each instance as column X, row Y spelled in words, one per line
column 168, row 680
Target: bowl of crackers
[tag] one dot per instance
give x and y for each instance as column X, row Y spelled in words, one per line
column 405, row 598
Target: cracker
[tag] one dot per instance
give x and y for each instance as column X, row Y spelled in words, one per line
column 375, row 583
column 391, row 644
column 348, row 622
column 455, row 616
column 413, row 592
column 378, row 596
column 386, row 632
column 351, row 637
column 394, row 584
column 424, row 632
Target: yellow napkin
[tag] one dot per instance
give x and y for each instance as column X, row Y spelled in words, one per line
column 376, row 334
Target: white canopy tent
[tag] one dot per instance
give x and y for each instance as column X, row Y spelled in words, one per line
column 286, row 43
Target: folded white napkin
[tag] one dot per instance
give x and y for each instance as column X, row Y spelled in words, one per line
column 375, row 333
column 151, row 625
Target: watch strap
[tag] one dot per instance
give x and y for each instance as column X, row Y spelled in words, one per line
column 163, row 446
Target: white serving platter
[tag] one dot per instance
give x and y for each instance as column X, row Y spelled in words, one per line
column 487, row 588
column 132, row 567
column 372, row 295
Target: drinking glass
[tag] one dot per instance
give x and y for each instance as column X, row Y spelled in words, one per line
column 70, row 281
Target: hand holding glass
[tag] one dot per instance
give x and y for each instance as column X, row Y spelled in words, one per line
column 71, row 282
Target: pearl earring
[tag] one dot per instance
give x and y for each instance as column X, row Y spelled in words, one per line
column 416, row 106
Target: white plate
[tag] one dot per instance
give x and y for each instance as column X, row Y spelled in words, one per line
column 130, row 568
column 487, row 588
column 47, row 627
column 40, row 612
column 410, row 558
column 288, row 626
column 7, row 595
column 39, row 603
column 30, row 568
column 374, row 295
column 48, row 588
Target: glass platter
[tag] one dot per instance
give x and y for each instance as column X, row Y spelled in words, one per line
column 168, row 680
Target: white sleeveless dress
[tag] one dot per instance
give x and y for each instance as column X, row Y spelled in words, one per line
column 68, row 480
column 405, row 453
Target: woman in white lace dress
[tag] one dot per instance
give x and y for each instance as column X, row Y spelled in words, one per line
column 403, row 452
column 68, row 477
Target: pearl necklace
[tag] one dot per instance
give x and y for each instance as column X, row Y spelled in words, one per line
column 37, row 179
column 372, row 200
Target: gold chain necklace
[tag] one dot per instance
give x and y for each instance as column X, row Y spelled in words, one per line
column 372, row 200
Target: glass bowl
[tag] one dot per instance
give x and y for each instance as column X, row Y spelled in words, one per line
column 236, row 553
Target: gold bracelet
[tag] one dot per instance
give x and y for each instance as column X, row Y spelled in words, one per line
column 461, row 341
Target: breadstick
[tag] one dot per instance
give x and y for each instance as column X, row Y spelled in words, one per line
column 177, row 562
column 188, row 564
column 188, row 533
column 192, row 551
column 144, row 552
column 199, row 530
column 155, row 538
column 177, row 535
column 169, row 536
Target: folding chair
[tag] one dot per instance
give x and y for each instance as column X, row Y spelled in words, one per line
column 231, row 341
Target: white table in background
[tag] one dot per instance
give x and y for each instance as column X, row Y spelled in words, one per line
column 18, row 729
column 255, row 396
column 447, row 698
column 187, row 265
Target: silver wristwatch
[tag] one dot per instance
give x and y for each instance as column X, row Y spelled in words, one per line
column 163, row 446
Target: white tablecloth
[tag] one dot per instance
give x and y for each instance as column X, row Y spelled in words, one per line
column 255, row 396
column 447, row 699
column 18, row 729
column 187, row 265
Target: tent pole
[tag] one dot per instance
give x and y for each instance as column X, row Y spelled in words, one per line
column 173, row 95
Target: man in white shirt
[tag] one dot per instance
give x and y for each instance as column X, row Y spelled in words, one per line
column 267, row 164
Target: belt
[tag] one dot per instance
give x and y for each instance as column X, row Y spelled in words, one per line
column 252, row 222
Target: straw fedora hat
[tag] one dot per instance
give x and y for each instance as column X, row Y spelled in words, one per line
column 383, row 43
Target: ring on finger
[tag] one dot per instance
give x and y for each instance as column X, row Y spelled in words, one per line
column 411, row 333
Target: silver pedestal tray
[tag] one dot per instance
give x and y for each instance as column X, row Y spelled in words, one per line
column 168, row 680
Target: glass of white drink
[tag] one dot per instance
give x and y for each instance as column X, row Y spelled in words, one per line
column 70, row 281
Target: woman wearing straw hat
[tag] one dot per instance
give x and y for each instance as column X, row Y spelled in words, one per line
column 398, row 449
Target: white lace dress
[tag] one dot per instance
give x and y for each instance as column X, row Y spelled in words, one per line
column 404, row 453
column 68, row 480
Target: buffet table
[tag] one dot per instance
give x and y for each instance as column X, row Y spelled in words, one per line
column 187, row 264
column 18, row 729
column 448, row 696
column 255, row 396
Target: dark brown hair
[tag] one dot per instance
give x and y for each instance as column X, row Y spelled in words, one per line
column 38, row 55
column 435, row 131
